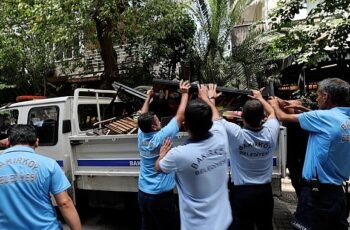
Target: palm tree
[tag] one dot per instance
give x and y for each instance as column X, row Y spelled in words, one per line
column 215, row 20
column 251, row 64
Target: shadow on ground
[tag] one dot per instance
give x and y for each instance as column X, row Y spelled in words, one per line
column 284, row 208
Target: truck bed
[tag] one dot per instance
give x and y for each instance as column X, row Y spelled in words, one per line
column 108, row 162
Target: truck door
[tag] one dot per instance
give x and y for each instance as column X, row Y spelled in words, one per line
column 53, row 143
column 46, row 120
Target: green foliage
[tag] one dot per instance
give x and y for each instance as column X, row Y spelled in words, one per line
column 308, row 98
column 36, row 33
column 32, row 33
column 163, row 32
column 325, row 31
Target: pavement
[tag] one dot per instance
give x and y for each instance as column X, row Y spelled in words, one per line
column 285, row 205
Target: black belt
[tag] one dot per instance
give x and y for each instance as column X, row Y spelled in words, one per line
column 314, row 183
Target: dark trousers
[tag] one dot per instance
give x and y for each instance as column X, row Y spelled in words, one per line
column 296, row 148
column 295, row 174
column 323, row 208
column 158, row 211
column 347, row 197
column 252, row 205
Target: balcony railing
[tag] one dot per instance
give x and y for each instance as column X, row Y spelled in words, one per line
column 94, row 65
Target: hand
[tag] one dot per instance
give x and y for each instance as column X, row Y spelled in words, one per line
column 167, row 144
column 256, row 94
column 297, row 108
column 293, row 103
column 203, row 92
column 184, row 86
column 273, row 101
column 281, row 102
column 291, row 106
column 150, row 93
column 212, row 91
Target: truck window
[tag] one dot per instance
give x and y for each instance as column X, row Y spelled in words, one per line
column 87, row 113
column 7, row 118
column 45, row 120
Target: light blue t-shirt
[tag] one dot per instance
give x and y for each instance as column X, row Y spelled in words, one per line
column 26, row 181
column 328, row 148
column 251, row 152
column 201, row 179
column 151, row 181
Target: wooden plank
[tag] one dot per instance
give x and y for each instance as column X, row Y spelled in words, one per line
column 120, row 126
column 115, row 129
column 116, row 126
column 104, row 121
column 126, row 124
column 130, row 121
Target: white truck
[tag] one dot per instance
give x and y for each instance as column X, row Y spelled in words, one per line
column 100, row 159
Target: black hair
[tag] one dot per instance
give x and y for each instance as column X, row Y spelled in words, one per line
column 145, row 122
column 198, row 118
column 22, row 135
column 253, row 112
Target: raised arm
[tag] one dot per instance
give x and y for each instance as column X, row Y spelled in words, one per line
column 68, row 211
column 281, row 115
column 208, row 94
column 145, row 107
column 184, row 89
column 296, row 106
column 268, row 108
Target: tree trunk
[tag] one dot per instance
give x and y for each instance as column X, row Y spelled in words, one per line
column 108, row 54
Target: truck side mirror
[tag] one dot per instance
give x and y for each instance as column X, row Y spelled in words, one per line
column 66, row 126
